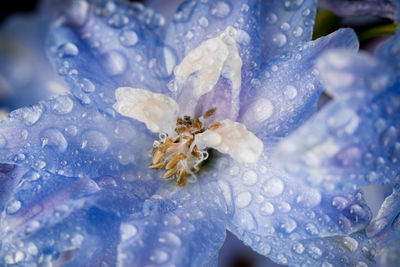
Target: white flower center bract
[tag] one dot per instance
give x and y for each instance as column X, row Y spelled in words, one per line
column 185, row 140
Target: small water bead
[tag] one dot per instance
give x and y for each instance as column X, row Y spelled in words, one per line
column 271, row 18
column 128, row 38
column 267, row 208
column 184, row 12
column 388, row 137
column 13, row 206
column 298, row 247
column 273, row 187
column 125, row 156
column 118, row 20
column 306, row 12
column 314, row 252
column 262, row 109
column 127, row 231
column 350, row 243
column 95, row 142
column 71, row 130
column 279, row 39
column 18, row 158
column 14, row 257
column 171, row 220
column 340, row 203
column 114, row 63
column 290, row 92
column 312, row 229
column 249, row 178
column 284, row 207
column 31, row 115
column 62, row 105
column 158, row 256
column 32, row 249
column 76, row 241
column 203, row 21
column 289, row 225
column 298, row 31
column 54, row 139
column 243, row 199
column 220, row 9
column 86, row 85
column 67, row 50
column 285, row 26
column 170, row 239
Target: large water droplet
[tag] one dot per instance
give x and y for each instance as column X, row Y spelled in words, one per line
column 67, row 50
column 31, row 115
column 350, row 243
column 279, row 39
column 243, row 199
column 13, row 206
column 62, row 105
column 169, row 239
column 114, row 63
column 128, row 38
column 95, row 142
column 127, row 231
column 53, row 139
column 159, row 256
column 273, row 187
column 220, row 9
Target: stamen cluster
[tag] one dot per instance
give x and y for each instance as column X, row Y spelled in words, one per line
column 178, row 154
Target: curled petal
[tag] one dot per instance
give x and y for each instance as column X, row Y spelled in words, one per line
column 157, row 111
column 234, row 139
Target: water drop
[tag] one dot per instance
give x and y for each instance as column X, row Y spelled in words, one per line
column 284, row 207
column 271, row 18
column 298, row 31
column 158, row 256
column 312, row 229
column 54, row 139
column 128, row 38
column 13, row 206
column 184, row 11
column 249, row 178
column 118, row 20
column 279, row 39
column 169, row 239
column 394, row 154
column 298, row 247
column 31, row 115
column 273, row 187
column 86, row 85
column 71, row 130
column 220, row 9
column 95, row 142
column 243, row 199
column 267, row 208
column 62, row 105
column 285, row 26
column 314, row 252
column 289, row 225
column 388, row 137
column 350, row 243
column 290, row 92
column 340, row 203
column 261, row 109
column 203, row 21
column 14, row 257
column 67, row 50
column 127, row 231
column 114, row 63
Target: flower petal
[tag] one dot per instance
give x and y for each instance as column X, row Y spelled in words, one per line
column 354, row 137
column 103, row 45
column 352, row 250
column 284, row 25
column 234, row 139
column 10, row 175
column 287, row 88
column 26, row 75
column 389, row 52
column 65, row 137
column 382, row 8
column 157, row 111
column 266, row 201
column 184, row 227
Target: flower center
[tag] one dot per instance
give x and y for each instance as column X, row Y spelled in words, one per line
column 178, row 154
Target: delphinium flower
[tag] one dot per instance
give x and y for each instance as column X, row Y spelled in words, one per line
column 203, row 103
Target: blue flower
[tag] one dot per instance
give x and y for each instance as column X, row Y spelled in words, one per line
column 76, row 187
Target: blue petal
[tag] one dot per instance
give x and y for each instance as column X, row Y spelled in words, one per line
column 102, row 45
column 352, row 250
column 354, row 140
column 65, row 137
column 287, row 87
column 382, row 8
column 182, row 227
column 284, row 25
column 26, row 75
column 265, row 201
column 389, row 52
column 10, row 175
column 166, row 8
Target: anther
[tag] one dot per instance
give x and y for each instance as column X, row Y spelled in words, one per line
column 214, row 126
column 170, row 172
column 209, row 113
column 172, row 163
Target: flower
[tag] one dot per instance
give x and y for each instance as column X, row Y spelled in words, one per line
column 78, row 189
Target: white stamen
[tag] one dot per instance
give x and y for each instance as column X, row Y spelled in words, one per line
column 234, row 139
column 157, row 111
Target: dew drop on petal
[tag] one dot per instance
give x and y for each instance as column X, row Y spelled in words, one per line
column 54, row 139
column 127, row 231
column 340, row 203
column 86, row 85
column 13, row 206
column 158, row 256
column 249, row 178
column 262, row 109
column 267, row 208
column 170, row 239
column 243, row 199
column 31, row 115
column 14, row 257
column 298, row 31
column 114, row 63
column 271, row 18
column 279, row 39
column 67, row 50
column 118, row 20
column 298, row 247
column 62, row 105
column 220, row 9
column 290, row 92
column 350, row 243
column 273, row 187
column 128, row 38
column 203, row 21
column 95, row 142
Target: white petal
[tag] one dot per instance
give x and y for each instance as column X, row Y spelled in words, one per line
column 234, row 139
column 157, row 111
column 202, row 67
